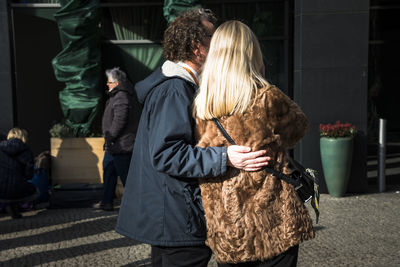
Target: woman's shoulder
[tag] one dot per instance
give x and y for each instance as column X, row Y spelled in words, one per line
column 266, row 90
column 272, row 94
column 264, row 93
column 13, row 146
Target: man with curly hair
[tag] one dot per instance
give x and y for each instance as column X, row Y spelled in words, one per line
column 162, row 204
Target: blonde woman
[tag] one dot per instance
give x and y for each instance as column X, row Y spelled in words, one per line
column 16, row 167
column 18, row 133
column 253, row 218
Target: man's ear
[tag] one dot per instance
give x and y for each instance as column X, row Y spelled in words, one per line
column 196, row 51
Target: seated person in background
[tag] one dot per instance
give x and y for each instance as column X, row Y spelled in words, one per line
column 16, row 168
column 41, row 177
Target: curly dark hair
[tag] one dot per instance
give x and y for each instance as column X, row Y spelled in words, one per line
column 185, row 32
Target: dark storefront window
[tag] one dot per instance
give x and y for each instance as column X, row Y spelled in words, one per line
column 271, row 22
column 384, row 68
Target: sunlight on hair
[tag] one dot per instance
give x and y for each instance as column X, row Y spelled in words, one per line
column 18, row 133
column 231, row 74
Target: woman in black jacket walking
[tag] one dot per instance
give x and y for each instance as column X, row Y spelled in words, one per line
column 119, row 129
column 16, row 168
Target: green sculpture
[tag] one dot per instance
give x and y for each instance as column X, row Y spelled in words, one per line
column 78, row 64
column 172, row 8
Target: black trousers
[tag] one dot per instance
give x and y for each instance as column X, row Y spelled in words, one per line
column 180, row 256
column 114, row 166
column 285, row 259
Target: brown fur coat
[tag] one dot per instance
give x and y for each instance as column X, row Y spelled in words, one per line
column 253, row 215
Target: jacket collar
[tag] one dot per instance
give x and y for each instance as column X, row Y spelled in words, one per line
column 122, row 86
column 170, row 69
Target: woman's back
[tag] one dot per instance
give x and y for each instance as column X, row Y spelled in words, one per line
column 250, row 216
column 273, row 122
column 253, row 215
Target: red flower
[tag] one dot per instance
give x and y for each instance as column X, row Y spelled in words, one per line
column 337, row 130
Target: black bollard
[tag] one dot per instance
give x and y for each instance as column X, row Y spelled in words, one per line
column 382, row 155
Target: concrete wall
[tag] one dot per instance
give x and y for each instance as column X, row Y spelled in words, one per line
column 330, row 75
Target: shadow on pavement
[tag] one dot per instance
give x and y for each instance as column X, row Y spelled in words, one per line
column 66, row 253
column 46, row 218
column 76, row 230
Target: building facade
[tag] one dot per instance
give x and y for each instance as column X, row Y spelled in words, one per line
column 331, row 57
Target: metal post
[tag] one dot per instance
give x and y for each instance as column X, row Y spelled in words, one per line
column 382, row 155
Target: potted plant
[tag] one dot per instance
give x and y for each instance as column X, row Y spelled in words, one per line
column 336, row 146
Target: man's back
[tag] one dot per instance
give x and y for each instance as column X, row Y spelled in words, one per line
column 170, row 207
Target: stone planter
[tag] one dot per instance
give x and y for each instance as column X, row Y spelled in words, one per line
column 336, row 157
column 77, row 160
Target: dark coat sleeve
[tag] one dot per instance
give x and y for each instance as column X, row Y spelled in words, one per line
column 20, row 153
column 26, row 160
column 11, row 147
column 172, row 149
column 121, row 106
column 289, row 122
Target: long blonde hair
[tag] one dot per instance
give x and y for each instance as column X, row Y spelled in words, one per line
column 231, row 73
column 18, row 133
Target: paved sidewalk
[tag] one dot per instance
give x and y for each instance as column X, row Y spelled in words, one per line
column 357, row 230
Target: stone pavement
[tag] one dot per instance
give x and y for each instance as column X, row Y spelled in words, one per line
column 357, row 230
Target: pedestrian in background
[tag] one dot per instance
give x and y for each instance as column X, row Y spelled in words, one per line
column 161, row 204
column 16, row 168
column 119, row 130
column 253, row 218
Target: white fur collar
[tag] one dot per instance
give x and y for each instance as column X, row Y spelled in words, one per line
column 170, row 69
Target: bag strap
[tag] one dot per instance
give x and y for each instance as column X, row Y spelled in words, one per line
column 224, row 133
column 277, row 174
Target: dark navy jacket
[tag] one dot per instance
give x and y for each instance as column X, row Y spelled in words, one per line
column 161, row 204
column 16, row 167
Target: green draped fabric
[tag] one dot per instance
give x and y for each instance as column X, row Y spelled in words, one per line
column 137, row 60
column 78, row 64
column 44, row 13
column 148, row 56
column 138, row 23
column 172, row 8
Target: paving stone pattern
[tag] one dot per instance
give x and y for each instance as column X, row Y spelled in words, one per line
column 357, row 230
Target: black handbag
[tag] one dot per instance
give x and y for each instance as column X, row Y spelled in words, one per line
column 304, row 181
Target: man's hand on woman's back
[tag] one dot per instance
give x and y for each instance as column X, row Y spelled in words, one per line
column 241, row 157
